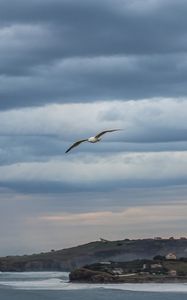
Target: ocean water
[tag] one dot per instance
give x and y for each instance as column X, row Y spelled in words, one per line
column 55, row 286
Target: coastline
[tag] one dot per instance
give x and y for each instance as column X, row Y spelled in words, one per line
column 84, row 275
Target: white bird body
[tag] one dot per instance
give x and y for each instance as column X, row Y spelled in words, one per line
column 92, row 139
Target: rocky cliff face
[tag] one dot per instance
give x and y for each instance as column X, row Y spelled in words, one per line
column 69, row 259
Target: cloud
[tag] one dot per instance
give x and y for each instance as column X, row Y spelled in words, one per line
column 150, row 150
column 147, row 221
column 103, row 173
column 135, row 215
column 149, row 120
column 95, row 79
column 56, row 52
column 119, row 28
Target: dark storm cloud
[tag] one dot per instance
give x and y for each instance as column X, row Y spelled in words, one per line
column 87, row 80
column 62, row 51
column 107, row 27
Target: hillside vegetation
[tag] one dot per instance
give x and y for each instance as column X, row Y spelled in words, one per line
column 71, row 258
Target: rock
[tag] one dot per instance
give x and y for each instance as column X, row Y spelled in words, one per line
column 86, row 275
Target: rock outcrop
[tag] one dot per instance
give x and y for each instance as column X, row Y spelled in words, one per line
column 144, row 271
column 86, row 275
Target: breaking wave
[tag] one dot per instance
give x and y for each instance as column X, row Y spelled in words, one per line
column 59, row 281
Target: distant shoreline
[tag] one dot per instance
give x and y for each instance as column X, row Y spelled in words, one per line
column 69, row 259
column 137, row 271
column 104, row 278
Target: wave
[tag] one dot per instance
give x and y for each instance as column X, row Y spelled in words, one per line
column 48, row 284
column 59, row 281
column 26, row 275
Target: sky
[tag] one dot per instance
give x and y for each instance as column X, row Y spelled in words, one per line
column 68, row 70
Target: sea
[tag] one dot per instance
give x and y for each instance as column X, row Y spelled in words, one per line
column 56, row 286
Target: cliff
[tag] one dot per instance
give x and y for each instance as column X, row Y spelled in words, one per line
column 76, row 257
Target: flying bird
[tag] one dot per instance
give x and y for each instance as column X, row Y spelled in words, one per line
column 92, row 139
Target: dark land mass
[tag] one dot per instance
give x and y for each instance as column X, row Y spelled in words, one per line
column 159, row 270
column 94, row 252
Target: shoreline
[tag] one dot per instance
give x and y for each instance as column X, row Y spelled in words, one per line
column 134, row 281
column 84, row 275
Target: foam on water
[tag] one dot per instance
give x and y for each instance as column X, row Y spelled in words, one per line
column 36, row 275
column 59, row 281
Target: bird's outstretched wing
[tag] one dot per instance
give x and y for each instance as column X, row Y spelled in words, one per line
column 75, row 145
column 105, row 131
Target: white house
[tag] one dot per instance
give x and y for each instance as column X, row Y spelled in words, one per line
column 171, row 256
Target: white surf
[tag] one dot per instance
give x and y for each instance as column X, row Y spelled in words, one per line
column 60, row 281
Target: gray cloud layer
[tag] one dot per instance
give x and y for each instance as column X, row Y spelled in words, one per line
column 37, row 138
column 62, row 51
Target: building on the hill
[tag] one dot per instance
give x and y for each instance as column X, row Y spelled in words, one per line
column 156, row 266
column 171, row 256
column 103, row 240
column 172, row 273
column 105, row 263
column 117, row 271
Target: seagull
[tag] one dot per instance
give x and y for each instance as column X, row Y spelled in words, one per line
column 92, row 139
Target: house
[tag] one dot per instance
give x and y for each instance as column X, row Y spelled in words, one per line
column 172, row 273
column 105, row 263
column 117, row 271
column 171, row 256
column 144, row 266
column 156, row 266
column 103, row 240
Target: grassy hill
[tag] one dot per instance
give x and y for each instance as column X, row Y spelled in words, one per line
column 71, row 258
